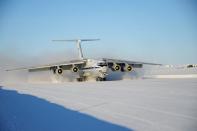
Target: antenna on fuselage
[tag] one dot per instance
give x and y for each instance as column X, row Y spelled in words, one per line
column 78, row 42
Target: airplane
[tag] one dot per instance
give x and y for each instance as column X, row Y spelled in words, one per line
column 84, row 67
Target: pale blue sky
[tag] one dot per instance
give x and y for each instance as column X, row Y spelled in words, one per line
column 162, row 31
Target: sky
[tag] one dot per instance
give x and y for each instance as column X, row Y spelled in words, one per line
column 161, row 31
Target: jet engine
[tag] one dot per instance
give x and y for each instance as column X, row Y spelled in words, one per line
column 126, row 68
column 115, row 67
column 75, row 69
column 59, row 71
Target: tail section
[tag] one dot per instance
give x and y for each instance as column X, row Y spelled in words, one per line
column 78, row 42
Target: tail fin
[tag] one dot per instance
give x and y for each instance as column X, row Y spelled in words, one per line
column 78, row 42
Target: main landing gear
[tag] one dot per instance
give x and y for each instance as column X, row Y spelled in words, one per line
column 100, row 79
column 81, row 79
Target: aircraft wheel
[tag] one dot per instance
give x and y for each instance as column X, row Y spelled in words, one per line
column 104, row 79
column 80, row 79
column 100, row 79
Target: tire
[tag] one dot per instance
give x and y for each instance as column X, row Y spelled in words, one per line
column 80, row 79
column 100, row 79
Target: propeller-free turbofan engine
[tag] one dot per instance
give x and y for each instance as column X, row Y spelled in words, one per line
column 75, row 69
column 59, row 71
column 115, row 67
column 126, row 68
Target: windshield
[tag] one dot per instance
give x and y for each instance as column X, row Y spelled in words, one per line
column 102, row 64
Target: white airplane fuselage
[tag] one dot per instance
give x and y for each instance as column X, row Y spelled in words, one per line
column 94, row 69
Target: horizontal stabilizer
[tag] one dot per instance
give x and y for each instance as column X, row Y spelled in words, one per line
column 78, row 42
column 75, row 40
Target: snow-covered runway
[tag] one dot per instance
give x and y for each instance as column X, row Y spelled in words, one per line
column 145, row 105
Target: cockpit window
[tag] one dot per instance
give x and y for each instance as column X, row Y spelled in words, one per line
column 102, row 64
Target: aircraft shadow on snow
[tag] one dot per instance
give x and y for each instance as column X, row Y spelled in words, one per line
column 29, row 113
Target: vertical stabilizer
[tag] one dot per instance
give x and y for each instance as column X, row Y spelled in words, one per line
column 78, row 42
column 80, row 53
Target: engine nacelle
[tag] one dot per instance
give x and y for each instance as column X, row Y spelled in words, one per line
column 115, row 67
column 126, row 68
column 59, row 71
column 75, row 69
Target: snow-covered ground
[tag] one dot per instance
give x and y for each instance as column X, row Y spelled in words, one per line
column 164, row 71
column 143, row 104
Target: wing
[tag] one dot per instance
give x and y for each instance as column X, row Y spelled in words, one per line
column 66, row 65
column 135, row 64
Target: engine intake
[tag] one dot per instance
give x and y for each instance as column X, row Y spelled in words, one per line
column 75, row 69
column 126, row 68
column 59, row 71
column 115, row 67
column 129, row 68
